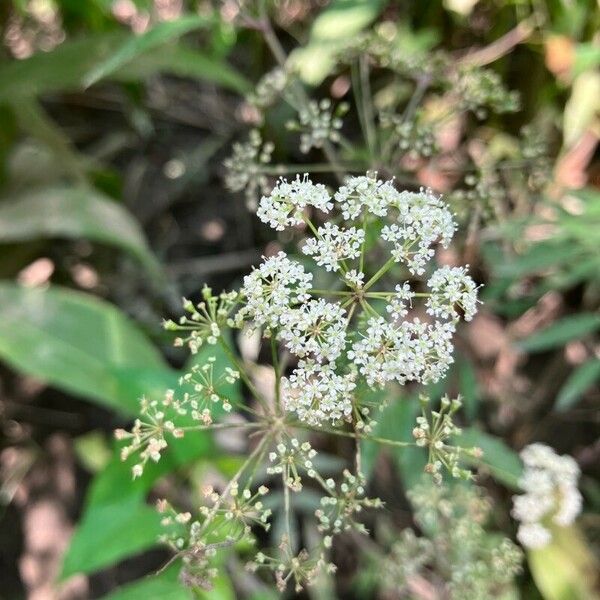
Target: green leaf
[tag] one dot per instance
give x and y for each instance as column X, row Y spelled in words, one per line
column 183, row 61
column 165, row 585
column 135, row 46
column 561, row 332
column 502, row 462
column 333, row 27
column 396, row 423
column 580, row 380
column 80, row 344
column 74, row 212
column 566, row 569
column 64, row 69
column 587, row 56
column 110, row 532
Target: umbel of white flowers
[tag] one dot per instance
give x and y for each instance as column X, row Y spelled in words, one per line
column 277, row 296
column 551, row 495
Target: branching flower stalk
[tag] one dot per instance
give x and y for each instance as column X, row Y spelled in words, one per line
column 327, row 347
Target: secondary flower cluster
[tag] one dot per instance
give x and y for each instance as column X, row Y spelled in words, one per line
column 551, row 495
column 387, row 346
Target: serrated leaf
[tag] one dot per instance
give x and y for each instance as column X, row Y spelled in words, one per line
column 502, row 462
column 561, row 332
column 80, row 344
column 580, row 380
column 75, row 213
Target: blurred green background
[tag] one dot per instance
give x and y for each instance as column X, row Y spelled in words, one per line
column 115, row 118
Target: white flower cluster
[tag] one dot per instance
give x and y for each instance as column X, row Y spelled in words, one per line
column 317, row 328
column 551, row 495
column 246, row 167
column 316, row 393
column 318, row 124
column 365, row 193
column 333, row 245
column 272, row 289
column 285, row 205
column 408, row 351
column 452, row 287
column 422, row 220
column 278, row 296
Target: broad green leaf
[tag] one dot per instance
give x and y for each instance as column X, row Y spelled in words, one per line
column 135, row 46
column 333, row 26
column 566, row 569
column 502, row 462
column 580, row 380
column 80, row 344
column 74, row 212
column 165, row 585
column 561, row 332
column 108, row 533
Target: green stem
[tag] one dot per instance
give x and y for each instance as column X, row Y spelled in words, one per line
column 276, row 367
column 244, row 375
column 384, row 269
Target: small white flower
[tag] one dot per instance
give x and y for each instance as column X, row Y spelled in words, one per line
column 317, row 328
column 285, row 205
column 355, row 279
column 400, row 301
column 272, row 289
column 333, row 245
column 452, row 287
column 316, row 393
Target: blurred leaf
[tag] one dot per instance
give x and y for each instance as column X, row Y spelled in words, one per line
column 185, row 62
column 80, row 344
column 135, row 46
column 540, row 257
column 33, row 119
column 332, row 28
column 396, row 422
column 561, row 332
column 580, row 380
column 64, row 69
column 566, row 569
column 165, row 585
column 467, row 384
column 502, row 462
column 582, row 107
column 74, row 212
column 110, row 532
column 93, row 451
column 587, row 56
